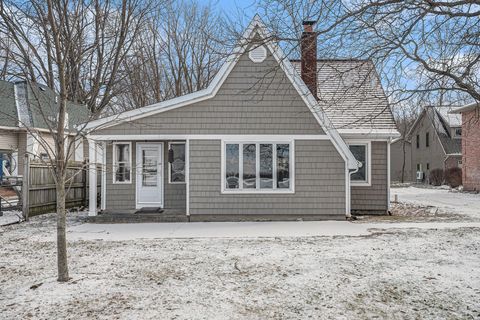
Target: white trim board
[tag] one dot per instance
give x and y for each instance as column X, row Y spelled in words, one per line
column 372, row 134
column 255, row 26
column 250, row 137
column 114, row 160
column 169, row 166
column 258, row 190
column 368, row 155
column 138, row 171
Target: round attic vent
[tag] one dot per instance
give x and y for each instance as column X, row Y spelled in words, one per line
column 258, row 54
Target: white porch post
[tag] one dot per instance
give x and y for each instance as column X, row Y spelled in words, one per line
column 103, row 197
column 92, row 178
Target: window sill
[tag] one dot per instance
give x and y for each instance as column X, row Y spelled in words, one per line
column 259, row 191
column 170, row 182
column 360, row 184
column 124, row 182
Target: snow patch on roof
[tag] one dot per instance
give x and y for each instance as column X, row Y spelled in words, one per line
column 452, row 119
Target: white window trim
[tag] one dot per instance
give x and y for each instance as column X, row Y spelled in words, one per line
column 291, row 190
column 114, row 166
column 170, row 165
column 368, row 155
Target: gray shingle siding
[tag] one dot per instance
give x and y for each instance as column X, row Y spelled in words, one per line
column 375, row 197
column 121, row 197
column 256, row 98
column 319, row 183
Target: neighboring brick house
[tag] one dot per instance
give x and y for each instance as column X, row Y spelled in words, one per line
column 470, row 145
column 436, row 141
column 26, row 109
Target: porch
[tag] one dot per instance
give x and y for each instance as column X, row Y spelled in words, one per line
column 143, row 180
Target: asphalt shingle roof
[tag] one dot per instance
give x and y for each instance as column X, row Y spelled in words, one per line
column 350, row 93
column 38, row 106
column 8, row 109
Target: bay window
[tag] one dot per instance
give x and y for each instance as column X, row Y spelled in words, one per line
column 122, row 159
column 257, row 167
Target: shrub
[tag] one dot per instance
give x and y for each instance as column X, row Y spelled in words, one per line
column 453, row 177
column 436, row 177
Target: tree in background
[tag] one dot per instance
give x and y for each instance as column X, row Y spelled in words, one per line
column 76, row 49
column 179, row 53
column 422, row 48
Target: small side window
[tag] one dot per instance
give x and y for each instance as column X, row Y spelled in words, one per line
column 177, row 166
column 122, row 159
column 360, row 152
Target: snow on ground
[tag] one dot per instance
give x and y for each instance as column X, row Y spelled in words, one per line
column 9, row 217
column 454, row 202
column 400, row 273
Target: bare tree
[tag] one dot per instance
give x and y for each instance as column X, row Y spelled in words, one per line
column 75, row 49
column 178, row 54
column 421, row 47
column 97, row 37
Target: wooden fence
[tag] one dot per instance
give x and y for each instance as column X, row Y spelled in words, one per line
column 39, row 191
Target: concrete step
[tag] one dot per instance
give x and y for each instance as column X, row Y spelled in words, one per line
column 137, row 218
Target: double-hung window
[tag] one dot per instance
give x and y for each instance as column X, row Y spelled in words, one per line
column 176, row 168
column 361, row 152
column 257, row 167
column 122, row 162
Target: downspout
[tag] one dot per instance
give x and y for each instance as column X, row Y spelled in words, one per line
column 350, row 172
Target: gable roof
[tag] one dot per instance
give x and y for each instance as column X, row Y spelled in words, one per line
column 255, row 27
column 442, row 126
column 25, row 104
column 350, row 93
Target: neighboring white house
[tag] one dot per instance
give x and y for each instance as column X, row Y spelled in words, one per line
column 27, row 111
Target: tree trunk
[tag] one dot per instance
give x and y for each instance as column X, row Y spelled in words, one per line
column 61, row 233
column 403, row 163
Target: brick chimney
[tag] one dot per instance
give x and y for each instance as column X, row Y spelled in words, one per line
column 308, row 47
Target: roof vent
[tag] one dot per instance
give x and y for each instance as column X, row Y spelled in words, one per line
column 258, row 54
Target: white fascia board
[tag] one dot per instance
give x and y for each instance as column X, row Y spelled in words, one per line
column 229, row 137
column 374, row 134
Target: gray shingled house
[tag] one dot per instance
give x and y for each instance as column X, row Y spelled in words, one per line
column 435, row 141
column 269, row 138
column 25, row 109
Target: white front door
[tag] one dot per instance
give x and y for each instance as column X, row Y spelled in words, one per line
column 149, row 175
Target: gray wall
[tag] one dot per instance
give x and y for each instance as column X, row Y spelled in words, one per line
column 373, row 198
column 434, row 154
column 121, row 197
column 256, row 98
column 397, row 158
column 319, row 183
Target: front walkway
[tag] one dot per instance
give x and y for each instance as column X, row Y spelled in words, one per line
column 121, row 232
